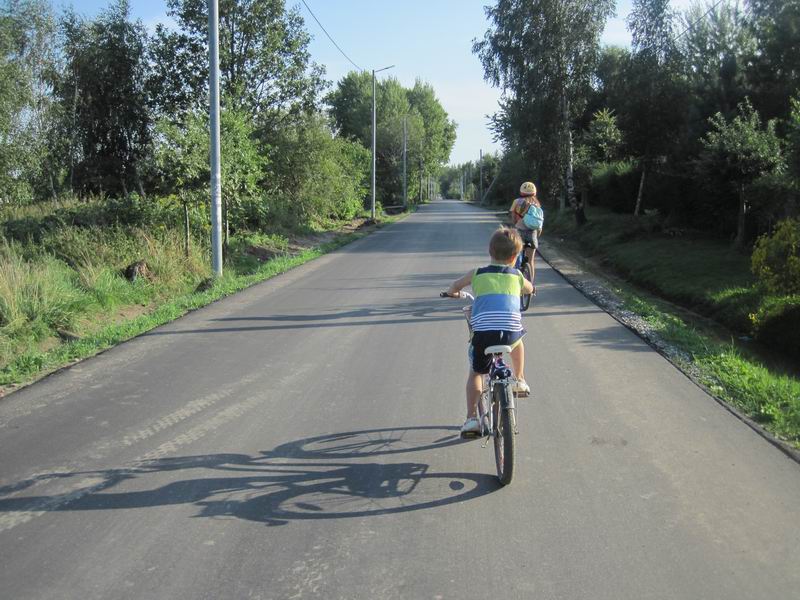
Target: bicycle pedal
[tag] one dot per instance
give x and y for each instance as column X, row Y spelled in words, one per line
column 470, row 435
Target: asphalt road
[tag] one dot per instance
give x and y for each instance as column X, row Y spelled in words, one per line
column 299, row 440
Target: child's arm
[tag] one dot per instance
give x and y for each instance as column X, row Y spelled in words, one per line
column 459, row 284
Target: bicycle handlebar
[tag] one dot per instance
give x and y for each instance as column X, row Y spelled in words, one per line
column 461, row 294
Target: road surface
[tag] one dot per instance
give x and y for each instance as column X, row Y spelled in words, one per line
column 299, row 440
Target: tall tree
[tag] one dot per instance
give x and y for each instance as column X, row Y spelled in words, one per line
column 737, row 152
column 265, row 65
column 104, row 98
column 655, row 106
column 542, row 54
column 775, row 66
column 27, row 63
column 430, row 133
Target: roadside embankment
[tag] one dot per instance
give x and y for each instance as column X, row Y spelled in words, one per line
column 628, row 273
column 70, row 289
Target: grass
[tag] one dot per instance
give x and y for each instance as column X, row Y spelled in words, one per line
column 740, row 379
column 709, row 278
column 60, row 295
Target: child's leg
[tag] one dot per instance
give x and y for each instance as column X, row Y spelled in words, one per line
column 474, row 388
column 518, row 360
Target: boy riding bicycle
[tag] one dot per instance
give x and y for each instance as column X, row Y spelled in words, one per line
column 496, row 318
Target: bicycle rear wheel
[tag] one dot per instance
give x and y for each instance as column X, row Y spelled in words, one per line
column 503, row 432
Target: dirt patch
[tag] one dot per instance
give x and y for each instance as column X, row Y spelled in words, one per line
column 262, row 254
column 300, row 243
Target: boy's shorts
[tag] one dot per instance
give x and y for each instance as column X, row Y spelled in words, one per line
column 481, row 340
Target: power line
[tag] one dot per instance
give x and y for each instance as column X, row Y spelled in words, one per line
column 708, row 12
column 329, row 36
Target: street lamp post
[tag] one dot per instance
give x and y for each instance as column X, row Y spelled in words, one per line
column 216, row 183
column 373, row 134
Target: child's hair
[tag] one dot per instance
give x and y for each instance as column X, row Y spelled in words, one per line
column 505, row 244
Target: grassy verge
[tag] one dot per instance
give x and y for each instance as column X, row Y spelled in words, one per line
column 729, row 372
column 56, row 310
column 704, row 276
column 707, row 276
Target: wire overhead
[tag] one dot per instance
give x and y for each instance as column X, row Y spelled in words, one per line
column 708, row 12
column 329, row 36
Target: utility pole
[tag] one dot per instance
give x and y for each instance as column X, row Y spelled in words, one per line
column 480, row 180
column 216, row 177
column 373, row 136
column 405, row 155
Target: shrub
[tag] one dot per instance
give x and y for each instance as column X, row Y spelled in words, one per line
column 776, row 259
column 777, row 324
column 614, row 185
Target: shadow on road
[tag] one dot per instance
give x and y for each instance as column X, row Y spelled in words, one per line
column 331, row 476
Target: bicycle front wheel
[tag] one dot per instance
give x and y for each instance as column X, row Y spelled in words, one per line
column 503, row 432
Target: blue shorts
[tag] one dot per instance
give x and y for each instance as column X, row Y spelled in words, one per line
column 479, row 361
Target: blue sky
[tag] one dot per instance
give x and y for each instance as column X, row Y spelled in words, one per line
column 429, row 39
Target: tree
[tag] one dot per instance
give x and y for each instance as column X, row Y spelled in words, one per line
column 103, row 95
column 431, row 134
column 265, row 66
column 603, row 137
column 27, row 62
column 774, row 69
column 739, row 151
column 655, row 106
column 542, row 53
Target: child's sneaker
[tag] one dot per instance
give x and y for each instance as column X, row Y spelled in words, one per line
column 521, row 388
column 471, row 427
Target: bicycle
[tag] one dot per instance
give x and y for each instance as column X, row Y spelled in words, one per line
column 496, row 409
column 526, row 268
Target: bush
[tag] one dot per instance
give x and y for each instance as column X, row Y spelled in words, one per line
column 614, row 185
column 776, row 259
column 777, row 324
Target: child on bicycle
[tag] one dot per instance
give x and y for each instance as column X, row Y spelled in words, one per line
column 518, row 210
column 496, row 319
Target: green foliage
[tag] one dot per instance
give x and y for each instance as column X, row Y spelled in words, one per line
column 265, row 66
column 776, row 258
column 776, row 323
column 603, row 137
column 614, row 185
column 546, row 83
column 774, row 67
column 740, row 150
column 321, row 177
column 430, row 133
column 26, row 62
column 104, row 99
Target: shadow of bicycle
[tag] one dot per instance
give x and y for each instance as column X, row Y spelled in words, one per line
column 330, row 476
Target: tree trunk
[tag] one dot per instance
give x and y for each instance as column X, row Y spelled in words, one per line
column 580, row 214
column 740, row 221
column 140, row 186
column 641, row 191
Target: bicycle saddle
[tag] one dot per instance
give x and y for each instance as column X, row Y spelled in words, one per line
column 498, row 350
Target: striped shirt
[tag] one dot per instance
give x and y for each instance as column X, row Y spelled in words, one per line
column 497, row 289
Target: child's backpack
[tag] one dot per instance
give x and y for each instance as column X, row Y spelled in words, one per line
column 534, row 218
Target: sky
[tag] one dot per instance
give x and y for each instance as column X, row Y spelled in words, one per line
column 426, row 39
